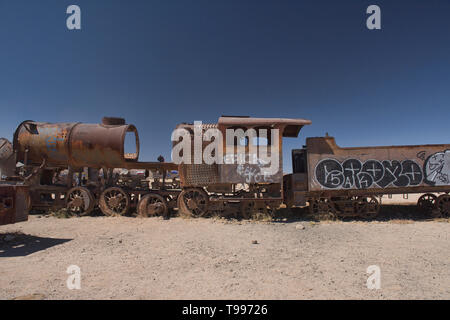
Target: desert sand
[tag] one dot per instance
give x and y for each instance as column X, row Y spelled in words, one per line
column 290, row 258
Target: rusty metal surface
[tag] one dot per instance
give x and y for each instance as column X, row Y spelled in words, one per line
column 199, row 174
column 7, row 162
column 378, row 170
column 74, row 144
column 230, row 171
column 256, row 171
column 250, row 173
column 14, row 203
column 151, row 165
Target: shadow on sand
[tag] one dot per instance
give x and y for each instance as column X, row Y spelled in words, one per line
column 398, row 213
column 20, row 245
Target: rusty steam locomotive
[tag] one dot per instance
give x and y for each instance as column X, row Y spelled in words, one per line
column 81, row 166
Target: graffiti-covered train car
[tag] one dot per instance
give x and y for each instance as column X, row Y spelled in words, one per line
column 346, row 181
column 234, row 166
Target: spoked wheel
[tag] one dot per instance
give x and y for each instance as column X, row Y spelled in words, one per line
column 443, row 206
column 193, row 202
column 367, row 208
column 427, row 203
column 152, row 204
column 79, row 201
column 114, row 202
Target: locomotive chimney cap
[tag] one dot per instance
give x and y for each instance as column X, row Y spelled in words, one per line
column 113, row 121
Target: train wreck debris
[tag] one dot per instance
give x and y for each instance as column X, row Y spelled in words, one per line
column 81, row 167
column 14, row 204
column 346, row 181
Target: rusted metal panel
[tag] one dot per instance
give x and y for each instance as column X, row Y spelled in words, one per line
column 295, row 186
column 14, row 203
column 255, row 168
column 199, row 174
column 160, row 166
column 7, row 162
column 100, row 145
column 74, row 144
column 252, row 173
column 377, row 169
column 300, row 181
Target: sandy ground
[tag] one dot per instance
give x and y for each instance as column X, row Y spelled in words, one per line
column 136, row 258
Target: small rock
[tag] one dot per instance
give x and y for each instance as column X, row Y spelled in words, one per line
column 255, row 242
column 299, row 227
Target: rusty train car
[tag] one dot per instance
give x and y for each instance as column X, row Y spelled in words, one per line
column 342, row 182
column 80, row 166
column 14, row 196
column 231, row 187
column 347, row 181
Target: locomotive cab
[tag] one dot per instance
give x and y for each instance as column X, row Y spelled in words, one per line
column 251, row 172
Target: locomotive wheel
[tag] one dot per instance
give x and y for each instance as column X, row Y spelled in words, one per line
column 79, row 201
column 443, row 205
column 427, row 203
column 114, row 202
column 152, row 204
column 193, row 202
column 367, row 208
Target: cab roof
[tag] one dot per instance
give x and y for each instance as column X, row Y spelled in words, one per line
column 291, row 127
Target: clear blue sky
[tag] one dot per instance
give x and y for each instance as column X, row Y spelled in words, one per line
column 159, row 63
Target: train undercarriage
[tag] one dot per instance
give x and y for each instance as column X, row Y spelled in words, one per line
column 250, row 201
column 368, row 206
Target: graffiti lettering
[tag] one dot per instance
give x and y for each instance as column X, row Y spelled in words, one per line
column 437, row 168
column 354, row 174
column 254, row 170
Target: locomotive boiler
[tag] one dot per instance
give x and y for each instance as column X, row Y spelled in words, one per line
column 80, row 165
column 75, row 144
